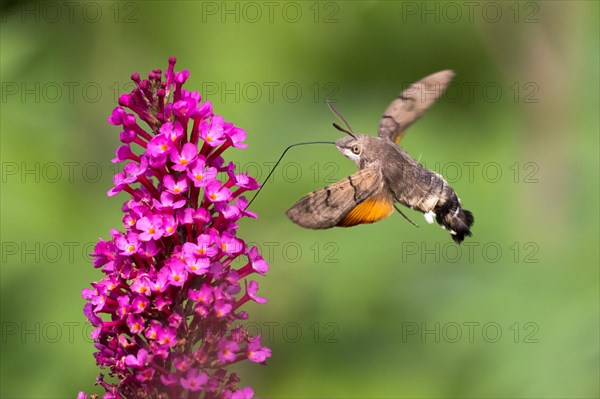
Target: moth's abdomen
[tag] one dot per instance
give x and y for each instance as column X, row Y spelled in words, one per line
column 429, row 193
column 451, row 216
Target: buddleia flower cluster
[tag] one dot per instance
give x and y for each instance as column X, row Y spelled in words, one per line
column 168, row 314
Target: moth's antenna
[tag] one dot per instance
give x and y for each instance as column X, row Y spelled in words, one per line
column 341, row 129
column 405, row 217
column 338, row 127
column 279, row 160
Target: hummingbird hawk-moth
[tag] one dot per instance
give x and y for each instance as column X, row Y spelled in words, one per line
column 387, row 174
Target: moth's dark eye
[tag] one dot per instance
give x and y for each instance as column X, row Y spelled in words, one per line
column 356, row 149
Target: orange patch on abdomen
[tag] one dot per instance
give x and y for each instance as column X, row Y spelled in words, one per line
column 370, row 211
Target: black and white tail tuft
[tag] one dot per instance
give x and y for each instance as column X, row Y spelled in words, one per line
column 453, row 218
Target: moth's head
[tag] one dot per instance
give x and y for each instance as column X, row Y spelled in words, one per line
column 357, row 149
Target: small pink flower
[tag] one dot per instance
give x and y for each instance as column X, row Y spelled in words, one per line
column 194, row 380
column 135, row 323
column 258, row 263
column 256, row 352
column 167, row 336
column 222, row 309
column 138, row 361
column 151, row 228
column 212, row 132
column 172, row 131
column 227, row 351
column 174, row 187
column 178, row 275
column 181, row 160
column 140, row 304
column 251, row 290
column 199, row 174
column 216, row 193
column 160, row 147
column 197, row 265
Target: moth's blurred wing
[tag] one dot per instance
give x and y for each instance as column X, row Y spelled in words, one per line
column 411, row 104
column 354, row 200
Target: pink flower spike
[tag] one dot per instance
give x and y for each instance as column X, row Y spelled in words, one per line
column 166, row 313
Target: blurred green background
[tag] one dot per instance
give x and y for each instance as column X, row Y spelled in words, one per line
column 376, row 311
